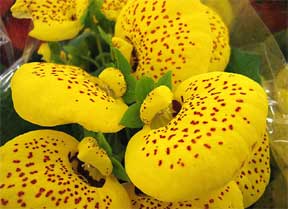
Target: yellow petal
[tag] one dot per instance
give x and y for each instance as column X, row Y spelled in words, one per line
column 222, row 116
column 224, row 8
column 49, row 94
column 53, row 20
column 45, row 52
column 115, row 81
column 36, row 172
column 254, row 177
column 90, row 153
column 112, row 8
column 159, row 99
column 125, row 47
column 227, row 197
column 220, row 42
column 167, row 35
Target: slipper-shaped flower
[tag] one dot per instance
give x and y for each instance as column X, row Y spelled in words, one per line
column 255, row 174
column 186, row 37
column 112, row 8
column 53, row 20
column 221, row 118
column 37, row 172
column 228, row 197
column 50, row 94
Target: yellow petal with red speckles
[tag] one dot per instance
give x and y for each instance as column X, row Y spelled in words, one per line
column 112, row 8
column 227, row 197
column 254, row 177
column 53, row 20
column 37, row 172
column 50, row 94
column 222, row 117
column 183, row 36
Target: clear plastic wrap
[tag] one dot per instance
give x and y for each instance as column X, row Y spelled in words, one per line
column 247, row 32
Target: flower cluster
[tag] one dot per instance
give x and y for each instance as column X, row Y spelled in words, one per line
column 198, row 136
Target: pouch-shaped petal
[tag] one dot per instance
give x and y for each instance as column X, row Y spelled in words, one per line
column 112, row 8
column 167, row 35
column 220, row 42
column 50, row 94
column 227, row 197
column 37, row 172
column 90, row 153
column 53, row 20
column 205, row 145
column 254, row 176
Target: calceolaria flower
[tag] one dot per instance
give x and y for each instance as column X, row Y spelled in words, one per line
column 52, row 20
column 112, row 8
column 183, row 36
column 227, row 197
column 40, row 169
column 242, row 192
column 220, row 118
column 50, row 94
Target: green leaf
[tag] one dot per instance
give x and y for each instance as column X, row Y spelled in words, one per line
column 2, row 68
column 105, row 36
column 165, row 80
column 129, row 96
column 245, row 63
column 120, row 61
column 143, row 87
column 131, row 118
column 55, row 48
column 103, row 143
column 119, row 170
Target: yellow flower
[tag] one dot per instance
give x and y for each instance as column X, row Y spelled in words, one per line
column 254, row 176
column 112, row 8
column 50, row 94
column 40, row 169
column 227, row 197
column 221, row 117
column 184, row 36
column 53, row 20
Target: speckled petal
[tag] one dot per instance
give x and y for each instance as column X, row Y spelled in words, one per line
column 36, row 172
column 255, row 174
column 112, row 8
column 125, row 47
column 115, row 81
column 157, row 100
column 227, row 197
column 223, row 116
column 220, row 42
column 90, row 153
column 167, row 35
column 49, row 94
column 53, row 20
